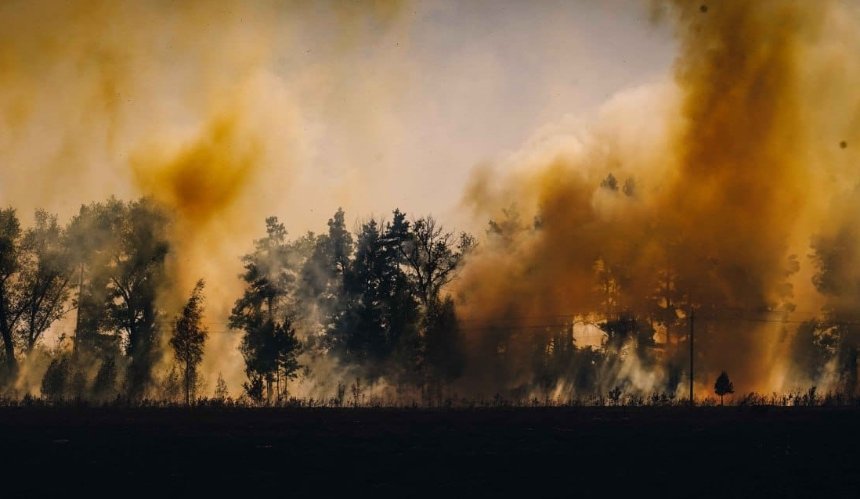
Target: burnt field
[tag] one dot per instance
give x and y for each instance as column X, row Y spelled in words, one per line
column 485, row 453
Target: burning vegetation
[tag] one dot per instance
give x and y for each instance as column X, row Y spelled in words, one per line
column 723, row 204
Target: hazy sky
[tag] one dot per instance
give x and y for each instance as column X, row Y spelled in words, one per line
column 467, row 83
column 292, row 109
column 392, row 108
column 230, row 111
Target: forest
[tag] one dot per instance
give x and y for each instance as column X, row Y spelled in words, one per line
column 446, row 248
column 372, row 300
column 370, row 316
column 691, row 234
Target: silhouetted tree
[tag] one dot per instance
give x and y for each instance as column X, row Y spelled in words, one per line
column 92, row 243
column 432, row 257
column 56, row 378
column 610, row 182
column 324, row 273
column 444, row 351
column 45, row 277
column 131, row 272
column 507, row 228
column 10, row 241
column 171, row 386
column 104, row 384
column 835, row 256
column 265, row 310
column 357, row 332
column 288, row 348
column 33, row 281
column 221, row 392
column 189, row 337
column 254, row 387
column 609, row 286
column 814, row 344
column 723, row 386
column 379, row 313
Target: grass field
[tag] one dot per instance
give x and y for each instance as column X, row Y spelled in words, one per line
column 561, row 452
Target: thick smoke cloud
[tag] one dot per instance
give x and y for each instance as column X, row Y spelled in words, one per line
column 723, row 182
column 181, row 102
column 720, row 185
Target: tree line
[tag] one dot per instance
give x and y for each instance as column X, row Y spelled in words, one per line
column 105, row 269
column 372, row 300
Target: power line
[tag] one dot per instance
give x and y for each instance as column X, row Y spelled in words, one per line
column 513, row 323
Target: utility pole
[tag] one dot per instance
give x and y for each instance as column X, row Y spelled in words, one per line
column 692, row 321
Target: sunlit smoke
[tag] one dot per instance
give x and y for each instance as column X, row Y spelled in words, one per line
column 717, row 188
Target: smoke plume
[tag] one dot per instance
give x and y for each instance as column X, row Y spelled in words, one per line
column 717, row 187
column 729, row 191
column 180, row 102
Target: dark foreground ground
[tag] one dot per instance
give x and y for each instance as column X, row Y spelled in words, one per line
column 586, row 452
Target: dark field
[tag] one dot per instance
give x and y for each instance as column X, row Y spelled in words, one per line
column 647, row 452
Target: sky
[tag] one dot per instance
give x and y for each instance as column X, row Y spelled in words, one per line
column 229, row 112
column 369, row 108
column 466, row 84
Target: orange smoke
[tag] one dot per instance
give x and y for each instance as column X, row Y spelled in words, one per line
column 204, row 178
column 714, row 212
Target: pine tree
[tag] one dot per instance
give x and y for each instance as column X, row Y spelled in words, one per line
column 189, row 337
column 221, row 392
column 380, row 312
column 265, row 310
column 723, row 386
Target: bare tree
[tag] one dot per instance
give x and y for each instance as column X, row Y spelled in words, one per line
column 433, row 256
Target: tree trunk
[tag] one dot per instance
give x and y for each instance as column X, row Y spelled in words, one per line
column 187, row 384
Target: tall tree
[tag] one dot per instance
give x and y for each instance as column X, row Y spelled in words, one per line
column 91, row 242
column 10, row 241
column 380, row 313
column 838, row 281
column 45, row 278
column 432, row 257
column 358, row 330
column 444, row 350
column 270, row 349
column 136, row 271
column 324, row 272
column 287, row 348
column 264, row 312
column 33, row 281
column 723, row 386
column 189, row 337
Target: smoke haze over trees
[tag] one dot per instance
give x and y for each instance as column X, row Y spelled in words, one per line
column 724, row 199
